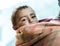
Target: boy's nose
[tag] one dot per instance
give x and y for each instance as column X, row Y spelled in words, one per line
column 31, row 20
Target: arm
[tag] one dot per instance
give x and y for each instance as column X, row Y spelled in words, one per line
column 46, row 31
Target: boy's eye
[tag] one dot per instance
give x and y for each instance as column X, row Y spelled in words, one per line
column 23, row 19
column 33, row 16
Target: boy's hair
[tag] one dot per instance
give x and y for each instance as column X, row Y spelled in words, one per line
column 15, row 15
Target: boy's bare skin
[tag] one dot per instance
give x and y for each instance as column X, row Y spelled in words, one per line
column 26, row 16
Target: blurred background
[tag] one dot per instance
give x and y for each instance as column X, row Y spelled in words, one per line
column 43, row 9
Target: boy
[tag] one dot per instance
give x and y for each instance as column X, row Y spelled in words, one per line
column 23, row 16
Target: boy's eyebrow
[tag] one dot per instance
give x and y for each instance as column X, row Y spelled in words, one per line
column 22, row 17
column 31, row 13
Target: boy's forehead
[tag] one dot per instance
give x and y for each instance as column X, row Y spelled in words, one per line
column 25, row 11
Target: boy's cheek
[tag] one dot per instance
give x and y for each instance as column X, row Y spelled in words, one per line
column 22, row 24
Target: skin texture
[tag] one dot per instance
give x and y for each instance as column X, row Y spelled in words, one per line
column 25, row 17
column 51, row 33
column 50, row 37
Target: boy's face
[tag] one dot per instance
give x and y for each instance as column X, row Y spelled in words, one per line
column 26, row 16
